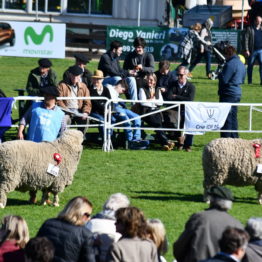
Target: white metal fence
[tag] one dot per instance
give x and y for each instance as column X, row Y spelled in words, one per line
column 254, row 124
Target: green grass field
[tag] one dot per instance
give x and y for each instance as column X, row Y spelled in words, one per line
column 165, row 185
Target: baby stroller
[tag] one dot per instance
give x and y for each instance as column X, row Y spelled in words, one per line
column 218, row 50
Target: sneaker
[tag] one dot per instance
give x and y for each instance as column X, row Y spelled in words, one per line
column 188, row 149
column 171, row 145
column 166, row 148
column 138, row 144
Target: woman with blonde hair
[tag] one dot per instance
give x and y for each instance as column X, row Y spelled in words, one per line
column 188, row 44
column 72, row 240
column 134, row 244
column 16, row 234
column 157, row 233
column 153, row 97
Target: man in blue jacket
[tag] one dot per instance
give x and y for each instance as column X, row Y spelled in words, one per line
column 229, row 90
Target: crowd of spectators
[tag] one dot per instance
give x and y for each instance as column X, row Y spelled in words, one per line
column 121, row 232
column 136, row 80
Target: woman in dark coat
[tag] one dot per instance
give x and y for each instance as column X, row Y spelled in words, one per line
column 72, row 240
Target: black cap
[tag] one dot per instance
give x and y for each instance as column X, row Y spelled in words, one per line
column 75, row 70
column 44, row 62
column 81, row 57
column 49, row 90
column 221, row 192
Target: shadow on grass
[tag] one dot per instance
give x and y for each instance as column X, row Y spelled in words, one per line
column 166, row 196
column 17, row 202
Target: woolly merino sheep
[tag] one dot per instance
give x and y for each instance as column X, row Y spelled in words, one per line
column 228, row 161
column 23, row 165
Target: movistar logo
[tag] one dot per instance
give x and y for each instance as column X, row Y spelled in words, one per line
column 38, row 38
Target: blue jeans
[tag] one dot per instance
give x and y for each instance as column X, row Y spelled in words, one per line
column 231, row 121
column 101, row 128
column 131, row 83
column 123, row 114
column 207, row 56
column 251, row 60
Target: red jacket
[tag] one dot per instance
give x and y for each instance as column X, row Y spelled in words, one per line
column 10, row 252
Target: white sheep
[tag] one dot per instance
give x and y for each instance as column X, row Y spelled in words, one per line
column 23, row 165
column 228, row 161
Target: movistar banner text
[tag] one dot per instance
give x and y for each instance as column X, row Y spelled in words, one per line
column 32, row 39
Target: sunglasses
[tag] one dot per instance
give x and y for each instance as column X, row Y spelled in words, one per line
column 180, row 74
column 87, row 215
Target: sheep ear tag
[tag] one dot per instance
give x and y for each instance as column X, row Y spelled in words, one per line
column 259, row 168
column 53, row 170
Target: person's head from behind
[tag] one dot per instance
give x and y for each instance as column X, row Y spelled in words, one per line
column 39, row 249
column 220, row 197
column 121, row 87
column 116, row 48
column 77, row 211
column 229, row 51
column 44, row 66
column 197, row 27
column 234, row 242
column 114, row 202
column 139, row 45
column 151, row 80
column 130, row 222
column 157, row 233
column 18, row 229
column 182, row 72
column 164, row 67
column 254, row 228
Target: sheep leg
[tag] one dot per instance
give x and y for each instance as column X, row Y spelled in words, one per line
column 3, row 199
column 45, row 197
column 56, row 200
column 32, row 199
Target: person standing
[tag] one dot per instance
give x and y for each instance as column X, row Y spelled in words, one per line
column 205, row 48
column 229, row 90
column 80, row 60
column 40, row 77
column 253, row 47
column 109, row 65
column 46, row 120
column 188, row 45
column 181, row 90
column 203, row 230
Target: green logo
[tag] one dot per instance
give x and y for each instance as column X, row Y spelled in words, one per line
column 38, row 38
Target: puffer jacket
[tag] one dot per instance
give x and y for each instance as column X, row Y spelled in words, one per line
column 72, row 243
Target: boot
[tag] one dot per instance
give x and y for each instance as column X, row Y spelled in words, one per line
column 180, row 141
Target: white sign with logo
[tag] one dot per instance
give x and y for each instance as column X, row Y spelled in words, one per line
column 205, row 116
column 32, row 39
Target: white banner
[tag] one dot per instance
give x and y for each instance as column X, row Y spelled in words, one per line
column 32, row 39
column 208, row 116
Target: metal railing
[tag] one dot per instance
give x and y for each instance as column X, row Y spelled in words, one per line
column 108, row 125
